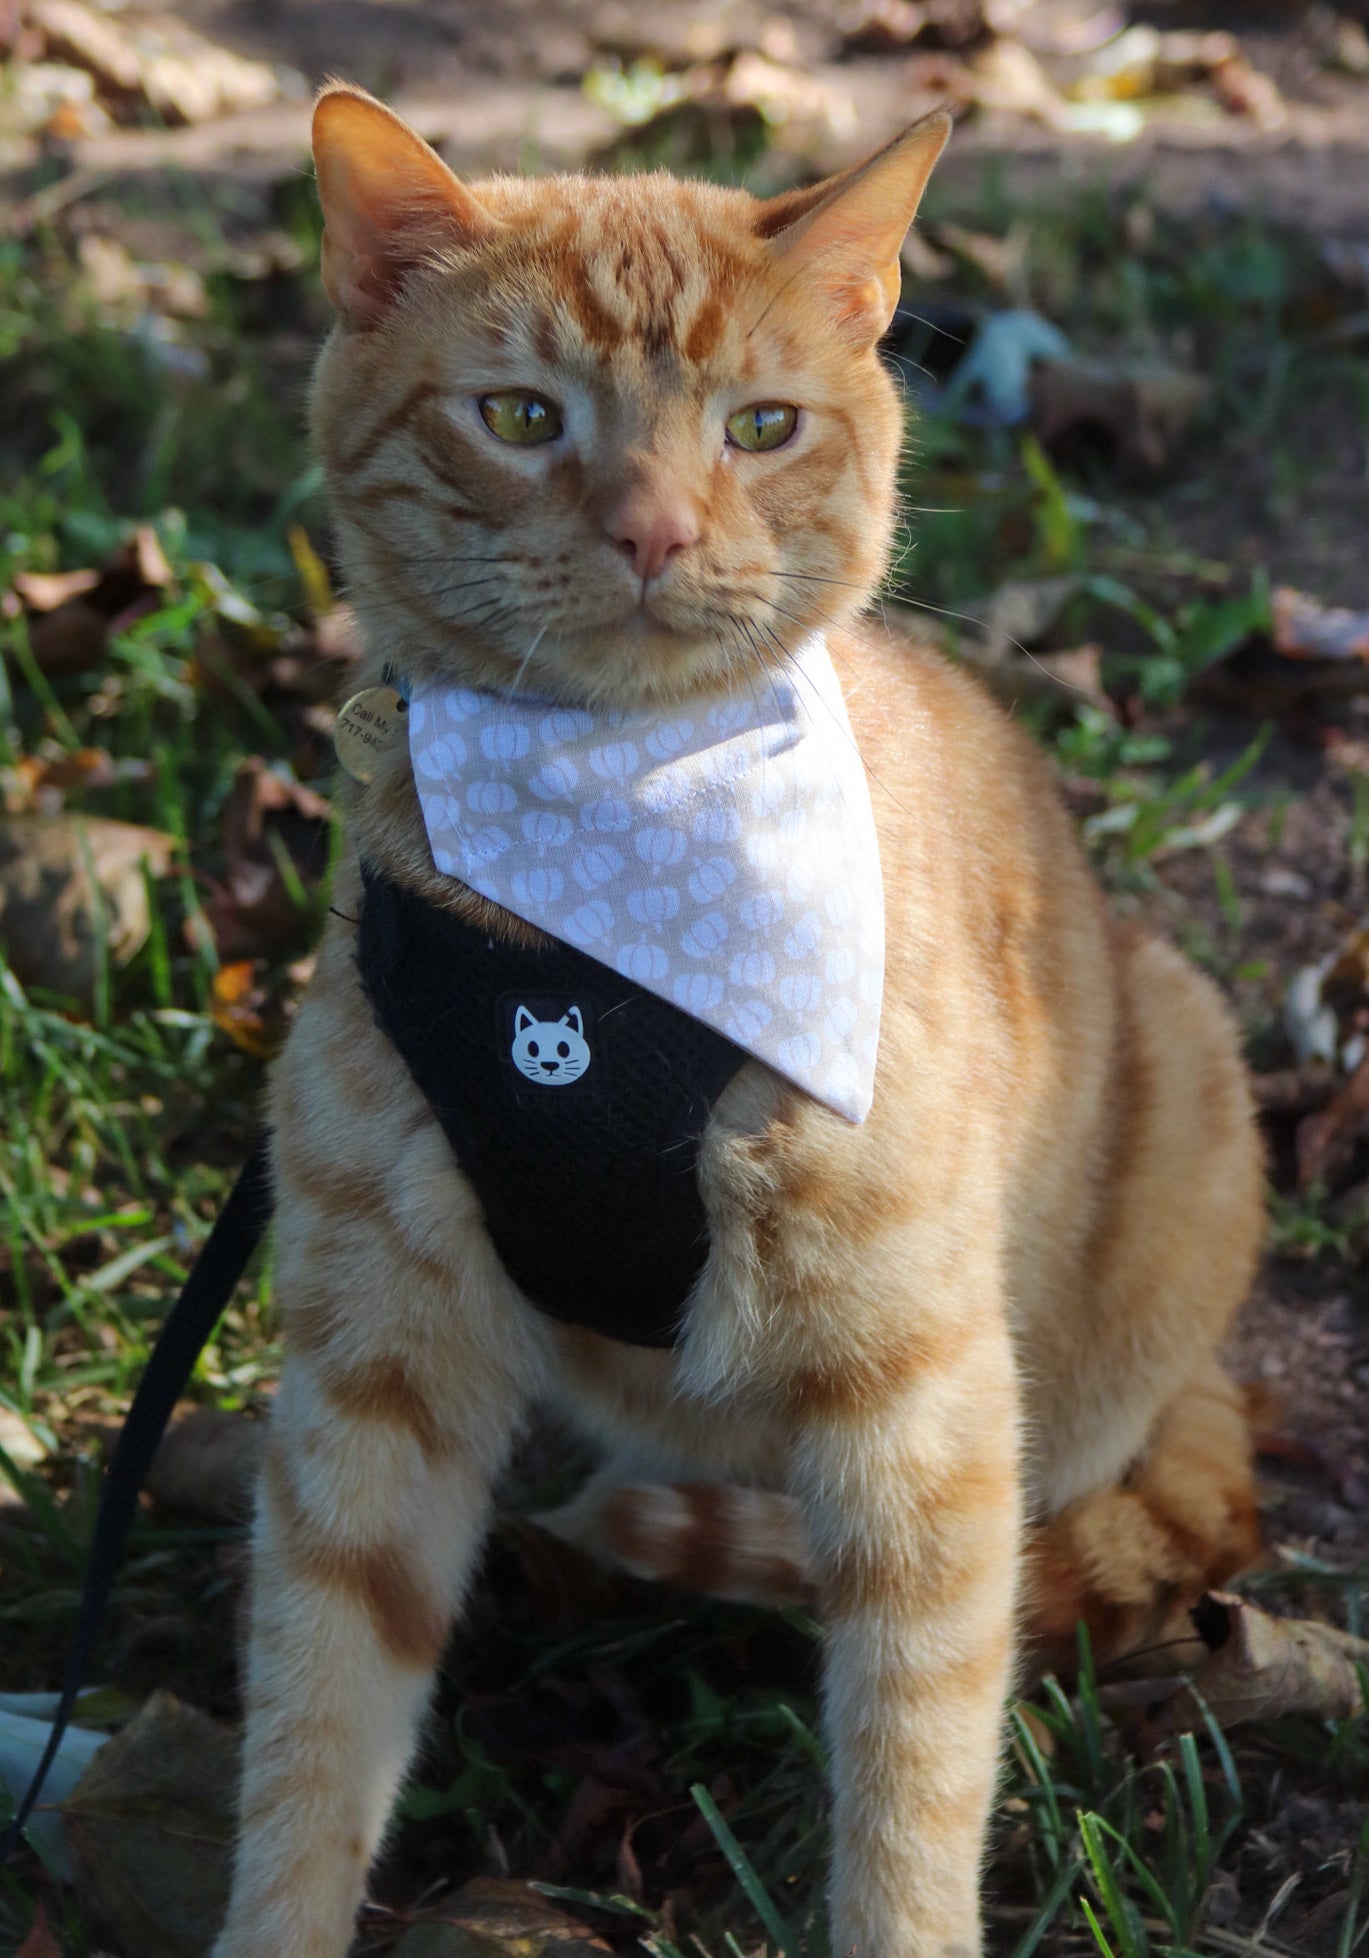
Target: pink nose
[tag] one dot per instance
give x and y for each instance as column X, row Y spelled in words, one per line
column 651, row 530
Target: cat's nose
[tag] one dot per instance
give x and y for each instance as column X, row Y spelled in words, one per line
column 652, row 529
column 550, row 1067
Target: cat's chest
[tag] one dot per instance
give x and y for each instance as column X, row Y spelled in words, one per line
column 573, row 1099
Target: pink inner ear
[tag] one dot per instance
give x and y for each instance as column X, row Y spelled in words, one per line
column 388, row 200
column 848, row 238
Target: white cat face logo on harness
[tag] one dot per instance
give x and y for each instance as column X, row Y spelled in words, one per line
column 552, row 1053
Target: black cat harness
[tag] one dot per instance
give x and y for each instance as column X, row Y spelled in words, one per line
column 573, row 1100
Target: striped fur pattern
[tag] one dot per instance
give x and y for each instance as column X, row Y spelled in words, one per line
column 950, row 1364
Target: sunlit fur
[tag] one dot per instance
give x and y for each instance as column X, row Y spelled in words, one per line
column 942, row 1370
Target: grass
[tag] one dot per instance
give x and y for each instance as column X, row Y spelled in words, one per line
column 125, row 1116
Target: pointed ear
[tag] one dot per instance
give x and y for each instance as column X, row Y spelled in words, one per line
column 388, row 201
column 574, row 1021
column 522, row 1019
column 844, row 236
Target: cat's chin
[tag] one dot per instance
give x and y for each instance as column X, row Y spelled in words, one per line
column 635, row 660
column 643, row 663
column 634, row 663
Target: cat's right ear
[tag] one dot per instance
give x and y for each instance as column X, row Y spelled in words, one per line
column 522, row 1019
column 843, row 237
column 389, row 202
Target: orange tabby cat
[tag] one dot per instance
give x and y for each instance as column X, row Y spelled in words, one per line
column 982, row 1318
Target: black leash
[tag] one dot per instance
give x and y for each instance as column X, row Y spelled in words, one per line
column 239, row 1228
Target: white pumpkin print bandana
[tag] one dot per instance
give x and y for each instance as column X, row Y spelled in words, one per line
column 722, row 854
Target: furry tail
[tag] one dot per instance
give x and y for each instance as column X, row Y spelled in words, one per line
column 726, row 1541
column 1128, row 1561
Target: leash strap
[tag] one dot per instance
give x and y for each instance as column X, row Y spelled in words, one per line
column 239, row 1228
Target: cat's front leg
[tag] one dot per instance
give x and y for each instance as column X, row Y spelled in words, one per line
column 389, row 1426
column 910, row 1492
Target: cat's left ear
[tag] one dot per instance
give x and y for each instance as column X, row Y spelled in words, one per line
column 389, row 202
column 574, row 1021
column 845, row 235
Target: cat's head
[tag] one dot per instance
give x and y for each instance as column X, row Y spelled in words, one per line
column 610, row 438
column 553, row 1053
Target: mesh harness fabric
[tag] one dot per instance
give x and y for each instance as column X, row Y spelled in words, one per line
column 589, row 1185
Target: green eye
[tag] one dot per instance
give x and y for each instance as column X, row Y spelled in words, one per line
column 765, row 425
column 519, row 417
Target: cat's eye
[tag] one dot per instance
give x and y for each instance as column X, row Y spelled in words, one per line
column 516, row 416
column 764, row 425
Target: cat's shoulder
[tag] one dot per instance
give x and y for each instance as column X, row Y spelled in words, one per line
column 905, row 695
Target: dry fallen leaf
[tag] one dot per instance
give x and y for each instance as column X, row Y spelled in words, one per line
column 1306, row 629
column 1259, row 1668
column 1326, row 1140
column 275, row 841
column 70, row 885
column 24, row 1449
column 150, row 1825
column 492, row 1918
column 241, row 1006
column 889, row 26
column 788, row 95
column 41, row 783
column 1140, row 413
column 1019, row 614
column 1245, row 90
column 72, row 613
column 152, row 61
column 44, row 591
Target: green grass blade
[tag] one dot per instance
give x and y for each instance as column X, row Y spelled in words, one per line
column 756, row 1893
column 1122, row 1919
column 1093, row 1925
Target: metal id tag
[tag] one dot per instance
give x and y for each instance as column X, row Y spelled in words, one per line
column 368, row 727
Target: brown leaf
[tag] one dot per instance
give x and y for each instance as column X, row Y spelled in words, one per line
column 1019, row 614
column 492, row 1918
column 158, row 63
column 241, row 1007
column 1245, row 90
column 40, row 1942
column 1306, row 629
column 70, row 640
column 1058, row 683
column 888, row 26
column 72, row 613
column 1141, row 413
column 44, row 781
column 207, row 1464
column 1259, row 1668
column 999, row 261
column 69, row 883
column 150, row 1826
column 44, row 591
column 1293, row 1091
column 1327, row 1140
column 275, row 835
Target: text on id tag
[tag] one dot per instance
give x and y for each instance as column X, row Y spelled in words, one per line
column 368, row 727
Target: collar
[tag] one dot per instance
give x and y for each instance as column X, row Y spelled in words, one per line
column 721, row 853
